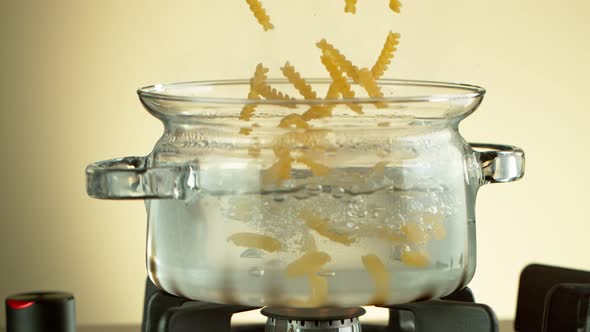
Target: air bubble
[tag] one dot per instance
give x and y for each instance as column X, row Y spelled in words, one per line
column 303, row 194
column 279, row 198
column 326, row 273
column 256, row 271
column 357, row 207
column 252, row 253
column 338, row 192
column 313, row 189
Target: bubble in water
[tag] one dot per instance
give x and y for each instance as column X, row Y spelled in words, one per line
column 410, row 204
column 432, row 210
column 313, row 189
column 279, row 198
column 256, row 271
column 252, row 253
column 274, row 264
column 326, row 273
column 396, row 253
column 357, row 207
column 289, row 184
column 436, row 189
column 302, row 194
column 338, row 192
column 377, row 211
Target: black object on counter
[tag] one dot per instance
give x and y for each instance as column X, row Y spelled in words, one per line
column 567, row 308
column 41, row 312
column 455, row 313
column 442, row 316
column 535, row 289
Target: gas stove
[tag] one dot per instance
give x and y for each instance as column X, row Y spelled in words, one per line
column 550, row 299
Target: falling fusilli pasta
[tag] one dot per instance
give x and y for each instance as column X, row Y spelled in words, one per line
column 260, row 14
column 340, row 60
column 340, row 83
column 395, row 5
column 350, row 6
column 387, row 53
column 298, row 82
column 258, row 79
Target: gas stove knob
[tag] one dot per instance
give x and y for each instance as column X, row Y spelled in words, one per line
column 41, row 311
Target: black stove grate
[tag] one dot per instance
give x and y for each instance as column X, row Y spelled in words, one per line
column 455, row 313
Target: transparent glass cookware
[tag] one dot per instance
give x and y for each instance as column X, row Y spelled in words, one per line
column 309, row 203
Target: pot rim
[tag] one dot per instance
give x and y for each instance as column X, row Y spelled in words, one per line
column 165, row 92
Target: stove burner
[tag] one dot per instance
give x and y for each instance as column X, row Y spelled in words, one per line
column 318, row 320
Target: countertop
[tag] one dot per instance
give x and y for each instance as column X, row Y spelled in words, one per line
column 505, row 326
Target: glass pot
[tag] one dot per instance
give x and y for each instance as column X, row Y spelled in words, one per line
column 327, row 207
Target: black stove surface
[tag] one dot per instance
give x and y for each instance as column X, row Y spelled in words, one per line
column 550, row 299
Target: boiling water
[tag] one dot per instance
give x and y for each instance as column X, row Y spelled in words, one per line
column 190, row 255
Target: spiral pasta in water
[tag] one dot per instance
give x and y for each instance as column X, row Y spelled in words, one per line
column 260, row 14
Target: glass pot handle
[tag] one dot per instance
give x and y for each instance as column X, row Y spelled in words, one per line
column 499, row 163
column 130, row 178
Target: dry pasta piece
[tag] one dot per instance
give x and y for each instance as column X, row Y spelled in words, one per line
column 387, row 53
column 395, row 5
column 258, row 79
column 279, row 171
column 316, row 168
column 379, row 169
column 368, row 82
column 254, row 151
column 380, row 277
column 245, row 131
column 416, row 258
column 260, row 14
column 322, row 227
column 253, row 240
column 339, row 59
column 317, row 112
column 268, row 92
column 383, row 124
column 293, row 119
column 309, row 244
column 309, row 263
column 350, row 6
column 298, row 82
column 341, row 84
column 333, row 92
column 415, row 234
column 259, row 85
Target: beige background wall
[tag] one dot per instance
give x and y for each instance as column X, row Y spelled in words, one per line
column 69, row 70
